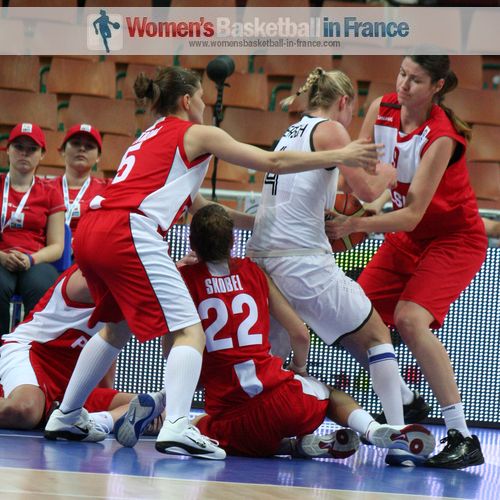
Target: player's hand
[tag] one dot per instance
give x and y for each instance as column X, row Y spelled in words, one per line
column 389, row 171
column 339, row 226
column 299, row 370
column 188, row 260
column 363, row 153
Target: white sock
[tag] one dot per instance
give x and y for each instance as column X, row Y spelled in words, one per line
column 407, row 394
column 385, row 376
column 104, row 420
column 359, row 420
column 93, row 363
column 182, row 372
column 454, row 418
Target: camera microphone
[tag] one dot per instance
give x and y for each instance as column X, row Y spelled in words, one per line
column 220, row 68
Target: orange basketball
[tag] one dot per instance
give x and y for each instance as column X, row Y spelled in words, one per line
column 348, row 204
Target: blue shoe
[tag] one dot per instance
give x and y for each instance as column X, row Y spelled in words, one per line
column 401, row 458
column 142, row 410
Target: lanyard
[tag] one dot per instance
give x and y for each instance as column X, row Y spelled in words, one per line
column 70, row 207
column 5, row 203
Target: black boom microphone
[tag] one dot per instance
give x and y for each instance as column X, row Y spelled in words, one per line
column 220, row 68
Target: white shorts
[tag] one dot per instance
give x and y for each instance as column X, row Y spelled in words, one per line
column 332, row 304
column 15, row 367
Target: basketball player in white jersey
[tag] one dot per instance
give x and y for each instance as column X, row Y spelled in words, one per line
column 126, row 263
column 289, row 242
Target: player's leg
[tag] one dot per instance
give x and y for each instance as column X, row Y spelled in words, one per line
column 446, row 268
column 373, row 337
column 345, row 411
column 69, row 421
column 23, row 408
column 182, row 372
column 415, row 408
column 413, row 323
column 23, row 403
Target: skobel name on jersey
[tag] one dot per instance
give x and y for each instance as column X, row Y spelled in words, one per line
column 221, row 285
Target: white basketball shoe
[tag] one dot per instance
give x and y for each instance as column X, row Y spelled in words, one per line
column 182, row 438
column 339, row 444
column 74, row 426
column 413, row 438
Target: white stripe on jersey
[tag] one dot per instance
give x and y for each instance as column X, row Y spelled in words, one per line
column 408, row 151
column 54, row 320
column 168, row 285
column 181, row 183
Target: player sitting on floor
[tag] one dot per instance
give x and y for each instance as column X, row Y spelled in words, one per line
column 255, row 407
column 38, row 357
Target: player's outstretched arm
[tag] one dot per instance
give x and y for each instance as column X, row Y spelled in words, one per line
column 202, row 139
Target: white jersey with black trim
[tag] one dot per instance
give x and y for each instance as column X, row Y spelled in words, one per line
column 291, row 212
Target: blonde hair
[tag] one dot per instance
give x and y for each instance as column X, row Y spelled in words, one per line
column 324, row 87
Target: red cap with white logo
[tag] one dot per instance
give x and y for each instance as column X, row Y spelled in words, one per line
column 83, row 128
column 30, row 130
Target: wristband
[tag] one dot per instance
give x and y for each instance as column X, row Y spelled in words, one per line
column 31, row 259
column 297, row 369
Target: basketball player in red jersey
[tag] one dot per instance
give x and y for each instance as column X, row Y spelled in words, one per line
column 253, row 405
column 126, row 263
column 435, row 241
column 37, row 360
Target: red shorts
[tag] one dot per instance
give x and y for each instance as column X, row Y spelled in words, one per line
column 100, row 399
column 130, row 274
column 256, row 428
column 432, row 276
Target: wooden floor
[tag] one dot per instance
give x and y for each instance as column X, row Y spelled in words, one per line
column 32, row 467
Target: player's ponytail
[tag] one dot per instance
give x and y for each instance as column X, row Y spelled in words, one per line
column 324, row 87
column 438, row 67
column 312, row 78
column 164, row 90
column 211, row 233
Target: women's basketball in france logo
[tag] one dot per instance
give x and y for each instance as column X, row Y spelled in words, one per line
column 104, row 31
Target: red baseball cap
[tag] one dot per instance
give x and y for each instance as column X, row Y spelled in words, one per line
column 83, row 128
column 30, row 130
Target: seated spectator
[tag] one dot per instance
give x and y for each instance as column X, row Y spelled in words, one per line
column 37, row 360
column 32, row 224
column 81, row 150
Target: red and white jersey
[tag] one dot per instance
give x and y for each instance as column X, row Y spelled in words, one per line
column 453, row 206
column 155, row 177
column 56, row 328
column 235, row 316
column 95, row 187
column 28, row 232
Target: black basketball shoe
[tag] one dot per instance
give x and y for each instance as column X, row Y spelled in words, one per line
column 414, row 412
column 459, row 452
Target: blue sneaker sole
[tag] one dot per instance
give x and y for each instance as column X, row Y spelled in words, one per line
column 130, row 426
